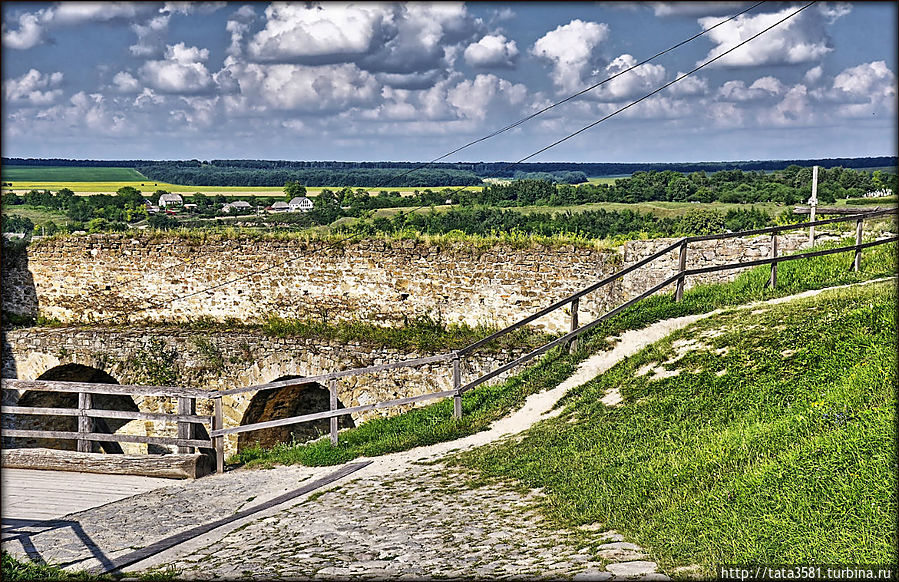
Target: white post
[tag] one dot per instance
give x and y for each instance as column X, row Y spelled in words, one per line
column 813, row 203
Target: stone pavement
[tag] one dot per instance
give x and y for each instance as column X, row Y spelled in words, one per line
column 428, row 523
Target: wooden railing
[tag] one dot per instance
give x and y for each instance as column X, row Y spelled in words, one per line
column 217, row 433
column 186, row 419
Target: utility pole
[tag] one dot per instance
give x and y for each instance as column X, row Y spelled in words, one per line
column 813, row 203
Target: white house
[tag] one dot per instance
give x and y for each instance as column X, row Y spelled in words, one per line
column 300, row 204
column 170, row 200
column 279, row 206
column 238, row 205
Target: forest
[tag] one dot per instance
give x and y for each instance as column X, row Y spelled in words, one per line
column 481, row 211
column 397, row 174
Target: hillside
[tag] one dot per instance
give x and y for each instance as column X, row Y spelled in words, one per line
column 759, row 437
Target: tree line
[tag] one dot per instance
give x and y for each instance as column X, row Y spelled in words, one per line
column 594, row 224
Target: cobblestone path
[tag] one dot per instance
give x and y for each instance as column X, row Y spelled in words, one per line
column 430, row 522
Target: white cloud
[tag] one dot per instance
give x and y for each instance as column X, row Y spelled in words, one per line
column 866, row 80
column 492, row 51
column 762, row 88
column 33, row 88
column 407, row 40
column 238, row 26
column 181, row 72
column 634, row 83
column 690, row 9
column 192, row 7
column 571, row 50
column 296, row 31
column 865, row 90
column 67, row 13
column 124, row 82
column 85, row 112
column 30, row 32
column 794, row 109
column 420, row 37
column 150, row 36
column 801, row 39
column 813, row 75
column 300, row 88
column 689, row 86
column 473, row 97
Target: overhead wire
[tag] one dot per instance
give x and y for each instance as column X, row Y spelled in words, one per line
column 512, row 164
column 537, row 113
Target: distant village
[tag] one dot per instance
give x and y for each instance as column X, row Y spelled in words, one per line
column 171, row 203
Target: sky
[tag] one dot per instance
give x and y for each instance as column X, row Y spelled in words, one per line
column 414, row 81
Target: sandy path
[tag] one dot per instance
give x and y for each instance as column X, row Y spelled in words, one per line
column 539, row 406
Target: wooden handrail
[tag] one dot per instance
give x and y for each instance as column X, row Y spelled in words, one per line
column 95, row 388
column 566, row 300
column 567, row 337
column 101, row 413
column 218, row 431
column 341, row 374
column 785, row 258
column 797, row 226
column 102, row 436
column 329, row 413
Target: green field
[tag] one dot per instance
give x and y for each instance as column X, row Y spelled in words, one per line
column 147, row 186
column 772, row 440
column 662, row 209
column 47, row 174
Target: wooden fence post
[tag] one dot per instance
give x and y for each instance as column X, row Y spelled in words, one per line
column 813, row 204
column 772, row 280
column 681, row 267
column 332, row 388
column 218, row 443
column 457, row 383
column 186, row 430
column 85, row 423
column 575, row 303
column 857, row 263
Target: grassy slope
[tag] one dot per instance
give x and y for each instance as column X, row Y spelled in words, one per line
column 483, row 405
column 68, row 174
column 37, row 214
column 781, row 450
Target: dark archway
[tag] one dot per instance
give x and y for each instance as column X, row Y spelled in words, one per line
column 73, row 373
column 284, row 403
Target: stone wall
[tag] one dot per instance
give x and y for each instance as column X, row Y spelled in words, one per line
column 107, row 277
column 220, row 361
column 91, row 277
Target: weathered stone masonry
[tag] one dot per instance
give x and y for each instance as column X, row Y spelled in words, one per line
column 219, row 361
column 88, row 278
column 92, row 277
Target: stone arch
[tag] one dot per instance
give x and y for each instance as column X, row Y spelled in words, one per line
column 72, row 373
column 283, row 403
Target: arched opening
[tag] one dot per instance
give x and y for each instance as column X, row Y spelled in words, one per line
column 286, row 402
column 72, row 373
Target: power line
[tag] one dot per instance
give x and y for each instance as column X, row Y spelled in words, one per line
column 535, row 114
column 541, row 150
column 572, row 96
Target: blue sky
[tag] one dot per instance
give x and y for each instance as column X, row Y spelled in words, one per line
column 411, row 81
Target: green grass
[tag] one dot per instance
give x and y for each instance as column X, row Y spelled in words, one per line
column 483, row 405
column 15, row 569
column 421, row 333
column 888, row 200
column 775, row 443
column 661, row 209
column 37, row 214
column 68, row 174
